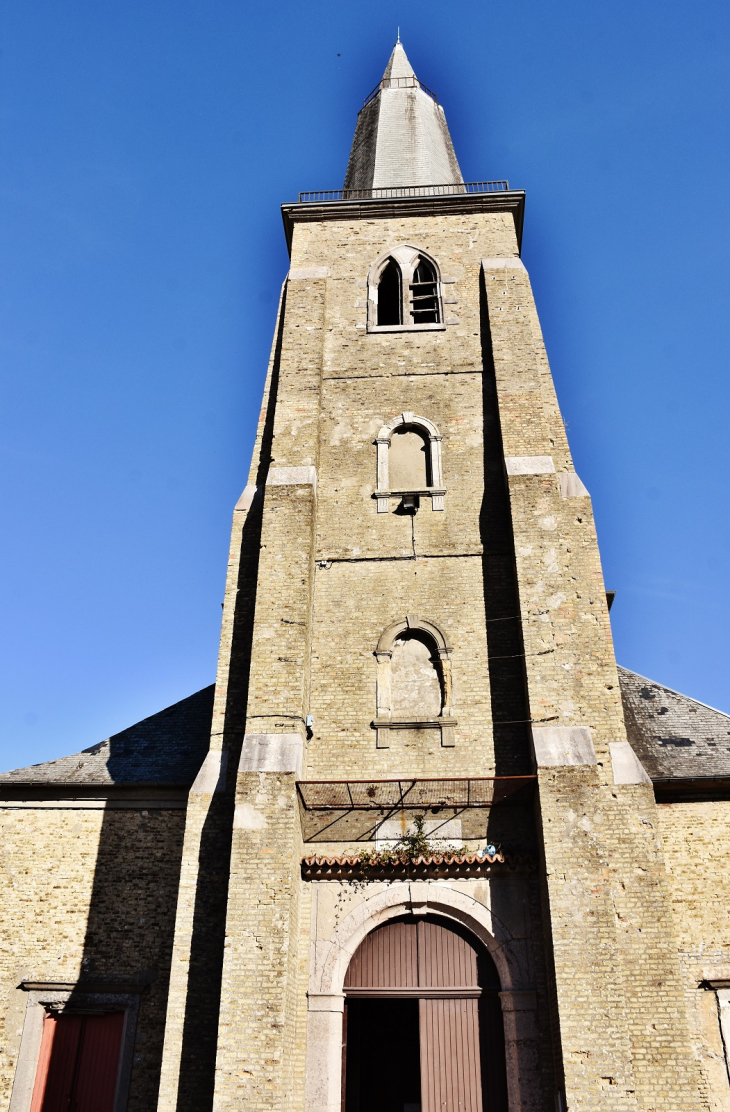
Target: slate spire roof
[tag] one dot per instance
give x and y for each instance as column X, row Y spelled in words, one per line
column 401, row 137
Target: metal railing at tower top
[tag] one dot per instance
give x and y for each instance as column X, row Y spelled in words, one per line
column 447, row 189
column 399, row 83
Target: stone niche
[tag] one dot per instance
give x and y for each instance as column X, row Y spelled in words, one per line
column 414, row 690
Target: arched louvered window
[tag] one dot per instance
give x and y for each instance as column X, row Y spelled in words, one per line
column 390, row 295
column 404, row 291
column 424, row 306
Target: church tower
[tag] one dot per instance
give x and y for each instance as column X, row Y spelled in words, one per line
column 423, row 847
column 416, row 637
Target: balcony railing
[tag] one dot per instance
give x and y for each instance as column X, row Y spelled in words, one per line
column 354, row 810
column 397, row 795
column 447, row 189
column 400, row 83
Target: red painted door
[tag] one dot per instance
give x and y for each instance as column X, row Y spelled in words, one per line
column 78, row 1063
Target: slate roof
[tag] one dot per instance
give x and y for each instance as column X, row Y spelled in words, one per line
column 674, row 737
column 401, row 137
column 164, row 750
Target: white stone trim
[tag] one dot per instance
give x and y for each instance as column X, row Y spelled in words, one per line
column 510, row 262
column 571, row 486
column 529, row 465
column 292, row 476
column 299, row 273
column 519, row 1015
column 723, row 1008
column 326, row 1002
column 383, row 441
column 384, row 722
column 246, row 500
column 212, row 775
column 30, row 1042
column 627, row 768
column 557, row 746
column 406, row 257
column 98, row 803
column 272, row 753
column 331, row 958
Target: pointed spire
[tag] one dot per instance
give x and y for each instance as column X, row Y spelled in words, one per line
column 398, row 64
column 401, row 137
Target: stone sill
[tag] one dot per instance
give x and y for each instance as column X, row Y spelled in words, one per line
column 383, row 726
column 406, row 328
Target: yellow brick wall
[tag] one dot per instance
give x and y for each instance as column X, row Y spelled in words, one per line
column 696, row 843
column 92, row 893
column 366, row 574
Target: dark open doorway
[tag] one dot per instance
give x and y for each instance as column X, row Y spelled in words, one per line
column 423, row 1022
column 383, row 1056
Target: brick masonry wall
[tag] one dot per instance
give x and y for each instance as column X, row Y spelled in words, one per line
column 371, row 576
column 333, row 574
column 89, row 893
column 622, row 1020
column 694, row 837
column 260, row 1034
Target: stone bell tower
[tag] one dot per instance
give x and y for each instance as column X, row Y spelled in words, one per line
column 416, row 624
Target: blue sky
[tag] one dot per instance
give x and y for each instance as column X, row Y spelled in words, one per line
column 145, row 149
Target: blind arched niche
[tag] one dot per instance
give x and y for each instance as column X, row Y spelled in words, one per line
column 414, row 683
column 409, row 461
column 434, row 987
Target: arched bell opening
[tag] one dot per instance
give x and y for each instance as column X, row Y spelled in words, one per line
column 390, row 295
column 424, row 294
column 423, row 1028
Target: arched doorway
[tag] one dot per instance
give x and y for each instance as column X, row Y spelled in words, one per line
column 423, row 1025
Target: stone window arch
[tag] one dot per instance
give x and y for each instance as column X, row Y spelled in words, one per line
column 405, row 292
column 409, row 461
column 414, row 688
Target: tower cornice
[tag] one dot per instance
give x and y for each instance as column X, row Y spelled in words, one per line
column 384, row 208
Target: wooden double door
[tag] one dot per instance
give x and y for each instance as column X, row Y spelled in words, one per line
column 78, row 1065
column 423, row 1023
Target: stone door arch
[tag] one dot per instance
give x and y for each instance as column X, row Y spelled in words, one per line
column 332, row 949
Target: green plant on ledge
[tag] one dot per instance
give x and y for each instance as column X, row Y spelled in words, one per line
column 411, row 845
